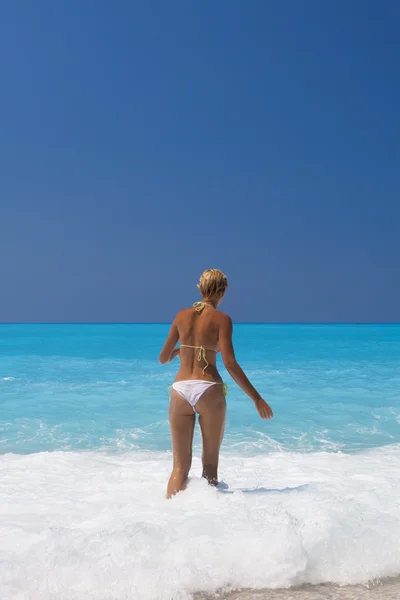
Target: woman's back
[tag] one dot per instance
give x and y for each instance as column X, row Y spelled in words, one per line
column 198, row 388
column 198, row 334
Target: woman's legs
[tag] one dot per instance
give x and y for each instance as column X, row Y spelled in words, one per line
column 212, row 410
column 181, row 420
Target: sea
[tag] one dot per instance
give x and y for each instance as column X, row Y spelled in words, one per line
column 308, row 504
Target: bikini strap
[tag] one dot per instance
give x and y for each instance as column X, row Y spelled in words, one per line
column 200, row 306
column 202, row 355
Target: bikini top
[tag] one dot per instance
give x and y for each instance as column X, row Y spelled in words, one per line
column 202, row 355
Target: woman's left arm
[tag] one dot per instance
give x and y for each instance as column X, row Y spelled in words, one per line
column 169, row 351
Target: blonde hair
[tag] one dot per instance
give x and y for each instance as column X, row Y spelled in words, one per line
column 213, row 283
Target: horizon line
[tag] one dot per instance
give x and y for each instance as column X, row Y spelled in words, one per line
column 169, row 322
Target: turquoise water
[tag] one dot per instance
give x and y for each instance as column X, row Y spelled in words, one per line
column 310, row 497
column 72, row 387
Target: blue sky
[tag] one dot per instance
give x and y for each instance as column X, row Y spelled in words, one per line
column 144, row 142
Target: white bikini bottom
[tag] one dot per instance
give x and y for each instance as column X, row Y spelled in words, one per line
column 192, row 389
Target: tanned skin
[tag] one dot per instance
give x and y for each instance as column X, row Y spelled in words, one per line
column 211, row 329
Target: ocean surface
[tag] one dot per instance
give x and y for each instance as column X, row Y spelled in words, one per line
column 308, row 506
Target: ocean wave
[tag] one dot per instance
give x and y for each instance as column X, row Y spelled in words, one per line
column 93, row 432
column 96, row 525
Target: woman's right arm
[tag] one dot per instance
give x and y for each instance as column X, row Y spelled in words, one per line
column 169, row 351
column 235, row 371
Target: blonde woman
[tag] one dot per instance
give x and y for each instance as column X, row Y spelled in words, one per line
column 203, row 331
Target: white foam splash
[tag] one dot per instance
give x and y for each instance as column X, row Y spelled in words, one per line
column 96, row 526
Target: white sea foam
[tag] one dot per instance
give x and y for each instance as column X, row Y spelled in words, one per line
column 96, row 526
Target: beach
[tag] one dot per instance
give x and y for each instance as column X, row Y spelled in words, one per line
column 307, row 506
column 385, row 590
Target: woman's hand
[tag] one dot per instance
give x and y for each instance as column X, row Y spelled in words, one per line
column 264, row 409
column 174, row 353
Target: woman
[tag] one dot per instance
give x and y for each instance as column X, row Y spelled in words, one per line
column 198, row 388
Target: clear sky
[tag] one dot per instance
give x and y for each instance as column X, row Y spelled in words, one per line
column 142, row 142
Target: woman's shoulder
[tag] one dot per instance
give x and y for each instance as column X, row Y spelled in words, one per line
column 224, row 318
column 181, row 314
column 188, row 312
